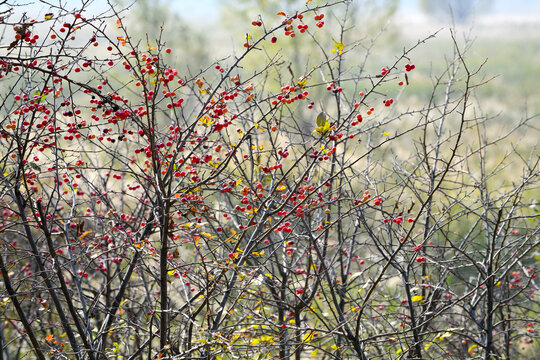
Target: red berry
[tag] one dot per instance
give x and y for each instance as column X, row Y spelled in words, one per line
column 273, row 40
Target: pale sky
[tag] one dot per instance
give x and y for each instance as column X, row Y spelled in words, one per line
column 197, row 9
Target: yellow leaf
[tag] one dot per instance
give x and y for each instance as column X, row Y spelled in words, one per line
column 445, row 335
column 417, row 298
column 314, row 353
column 322, row 130
column 471, row 348
column 308, row 336
column 207, row 235
column 339, row 47
column 207, row 121
column 386, row 133
column 48, row 16
column 399, row 351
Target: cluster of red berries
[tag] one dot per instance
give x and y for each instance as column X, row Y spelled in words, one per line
column 365, row 197
column 286, row 96
column 335, row 89
column 409, row 67
column 302, row 27
column 358, row 120
column 319, row 18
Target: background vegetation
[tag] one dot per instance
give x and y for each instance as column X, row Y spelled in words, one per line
column 268, row 180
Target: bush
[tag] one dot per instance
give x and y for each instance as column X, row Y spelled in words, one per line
column 235, row 213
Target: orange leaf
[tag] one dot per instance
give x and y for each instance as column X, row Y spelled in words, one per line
column 308, row 1
column 281, row 13
column 85, row 234
column 49, row 337
column 118, row 23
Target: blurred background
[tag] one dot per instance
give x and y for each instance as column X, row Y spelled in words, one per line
column 503, row 34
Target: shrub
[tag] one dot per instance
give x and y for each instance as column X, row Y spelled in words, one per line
column 148, row 213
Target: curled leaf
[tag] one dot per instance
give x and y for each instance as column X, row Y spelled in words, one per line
column 321, row 119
